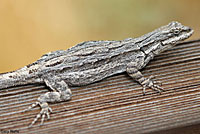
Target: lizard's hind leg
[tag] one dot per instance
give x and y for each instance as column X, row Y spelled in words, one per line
column 61, row 92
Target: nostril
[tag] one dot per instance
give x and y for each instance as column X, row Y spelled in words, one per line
column 188, row 29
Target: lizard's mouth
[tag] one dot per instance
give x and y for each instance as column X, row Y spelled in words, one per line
column 170, row 42
column 184, row 34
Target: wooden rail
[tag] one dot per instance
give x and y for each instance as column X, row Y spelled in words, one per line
column 116, row 104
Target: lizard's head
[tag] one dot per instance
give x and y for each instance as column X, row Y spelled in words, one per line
column 168, row 36
column 175, row 32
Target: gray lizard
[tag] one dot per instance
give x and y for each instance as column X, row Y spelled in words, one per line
column 93, row 61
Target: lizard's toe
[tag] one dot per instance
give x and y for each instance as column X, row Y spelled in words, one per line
column 155, row 88
column 45, row 111
column 152, row 84
column 31, row 107
column 158, row 87
column 157, row 82
column 144, row 90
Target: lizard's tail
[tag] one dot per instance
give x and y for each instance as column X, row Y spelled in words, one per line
column 16, row 78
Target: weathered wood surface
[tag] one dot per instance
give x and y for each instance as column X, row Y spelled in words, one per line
column 116, row 104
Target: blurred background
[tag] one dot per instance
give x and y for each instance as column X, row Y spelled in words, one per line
column 31, row 28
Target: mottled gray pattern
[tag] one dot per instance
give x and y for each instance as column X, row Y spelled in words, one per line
column 92, row 61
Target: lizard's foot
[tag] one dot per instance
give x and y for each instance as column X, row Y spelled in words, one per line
column 61, row 92
column 149, row 83
column 45, row 110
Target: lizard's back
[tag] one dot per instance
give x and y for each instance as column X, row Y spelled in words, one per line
column 90, row 61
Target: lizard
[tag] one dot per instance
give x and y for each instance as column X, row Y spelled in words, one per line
column 92, row 61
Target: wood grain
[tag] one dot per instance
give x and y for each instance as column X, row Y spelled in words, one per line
column 116, row 104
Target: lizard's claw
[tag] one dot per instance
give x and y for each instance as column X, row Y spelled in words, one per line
column 45, row 110
column 149, row 83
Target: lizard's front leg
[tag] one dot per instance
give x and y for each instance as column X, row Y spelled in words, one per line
column 133, row 71
column 61, row 92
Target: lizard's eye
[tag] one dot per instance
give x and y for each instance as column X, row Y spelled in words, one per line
column 176, row 31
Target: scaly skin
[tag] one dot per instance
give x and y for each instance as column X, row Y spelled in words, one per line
column 92, row 61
